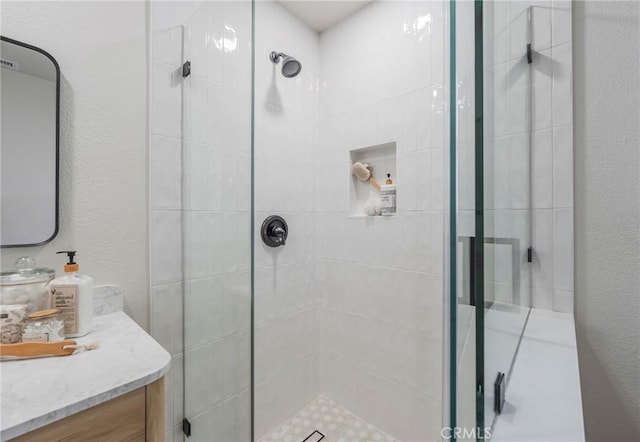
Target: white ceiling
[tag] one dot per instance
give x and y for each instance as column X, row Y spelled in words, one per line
column 322, row 14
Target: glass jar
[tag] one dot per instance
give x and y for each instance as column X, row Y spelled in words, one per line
column 26, row 285
column 44, row 326
column 12, row 318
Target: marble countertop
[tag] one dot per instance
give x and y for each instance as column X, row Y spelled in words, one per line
column 37, row 392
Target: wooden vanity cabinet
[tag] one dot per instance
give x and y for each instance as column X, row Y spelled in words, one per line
column 134, row 416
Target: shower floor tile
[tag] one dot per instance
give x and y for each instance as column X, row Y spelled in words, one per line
column 327, row 419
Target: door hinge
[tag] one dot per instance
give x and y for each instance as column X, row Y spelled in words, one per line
column 499, row 387
column 186, row 69
column 529, row 54
column 530, row 254
column 186, row 427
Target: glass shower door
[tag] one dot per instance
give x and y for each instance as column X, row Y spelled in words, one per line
column 333, row 310
column 464, row 290
column 492, row 212
column 216, row 220
column 507, row 150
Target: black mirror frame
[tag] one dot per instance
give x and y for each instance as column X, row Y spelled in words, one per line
column 57, row 67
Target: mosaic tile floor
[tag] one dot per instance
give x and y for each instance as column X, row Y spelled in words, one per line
column 329, row 419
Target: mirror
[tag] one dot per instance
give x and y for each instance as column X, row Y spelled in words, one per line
column 30, row 102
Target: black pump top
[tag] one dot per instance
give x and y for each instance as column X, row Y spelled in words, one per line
column 71, row 254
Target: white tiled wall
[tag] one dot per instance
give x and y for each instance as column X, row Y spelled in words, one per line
column 286, row 302
column 200, row 223
column 547, row 282
column 552, row 179
column 381, row 278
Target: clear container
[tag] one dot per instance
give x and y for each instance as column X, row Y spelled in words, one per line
column 26, row 285
column 44, row 326
column 12, row 318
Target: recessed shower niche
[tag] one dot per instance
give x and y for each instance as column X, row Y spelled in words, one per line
column 380, row 160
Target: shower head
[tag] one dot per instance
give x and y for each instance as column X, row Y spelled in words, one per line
column 290, row 66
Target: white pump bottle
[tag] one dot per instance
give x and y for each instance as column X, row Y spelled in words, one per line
column 72, row 294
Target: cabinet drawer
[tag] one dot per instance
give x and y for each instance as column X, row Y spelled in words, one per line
column 120, row 419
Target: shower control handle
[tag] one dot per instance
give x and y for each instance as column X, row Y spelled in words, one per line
column 274, row 231
column 278, row 232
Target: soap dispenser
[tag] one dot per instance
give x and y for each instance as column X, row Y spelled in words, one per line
column 72, row 294
column 388, row 197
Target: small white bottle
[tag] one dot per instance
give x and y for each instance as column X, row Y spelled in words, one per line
column 388, row 197
column 72, row 294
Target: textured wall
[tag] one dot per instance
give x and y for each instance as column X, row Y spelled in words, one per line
column 100, row 47
column 607, row 184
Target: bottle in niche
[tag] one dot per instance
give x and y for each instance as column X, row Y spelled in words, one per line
column 388, row 197
column 72, row 294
